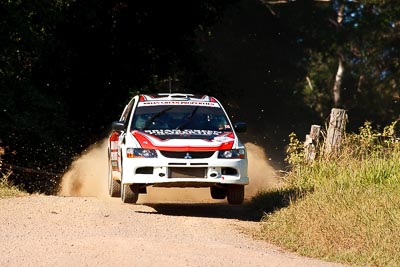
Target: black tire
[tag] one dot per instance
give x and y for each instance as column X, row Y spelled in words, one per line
column 114, row 186
column 218, row 192
column 129, row 193
column 235, row 194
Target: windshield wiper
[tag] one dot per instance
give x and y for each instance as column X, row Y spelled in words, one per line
column 188, row 119
column 155, row 116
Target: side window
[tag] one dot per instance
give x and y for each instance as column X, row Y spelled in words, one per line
column 127, row 111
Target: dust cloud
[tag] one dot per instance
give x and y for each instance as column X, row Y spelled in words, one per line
column 262, row 175
column 87, row 177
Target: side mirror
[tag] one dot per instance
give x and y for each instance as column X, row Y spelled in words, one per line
column 240, row 127
column 118, row 126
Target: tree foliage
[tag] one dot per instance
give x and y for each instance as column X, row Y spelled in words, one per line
column 367, row 41
column 67, row 67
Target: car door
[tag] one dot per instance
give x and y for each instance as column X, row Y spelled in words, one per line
column 118, row 135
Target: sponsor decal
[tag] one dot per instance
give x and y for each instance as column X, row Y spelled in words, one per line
column 114, row 145
column 223, row 139
column 178, row 103
column 114, row 156
column 185, row 132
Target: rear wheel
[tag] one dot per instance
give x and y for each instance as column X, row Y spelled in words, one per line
column 114, row 186
column 235, row 194
column 218, row 192
column 129, row 193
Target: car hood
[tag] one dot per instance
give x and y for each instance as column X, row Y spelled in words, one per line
column 185, row 140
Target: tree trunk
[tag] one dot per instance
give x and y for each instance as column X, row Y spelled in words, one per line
column 338, row 83
column 340, row 70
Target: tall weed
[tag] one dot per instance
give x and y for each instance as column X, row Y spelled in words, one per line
column 6, row 188
column 348, row 206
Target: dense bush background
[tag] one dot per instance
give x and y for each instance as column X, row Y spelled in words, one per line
column 68, row 67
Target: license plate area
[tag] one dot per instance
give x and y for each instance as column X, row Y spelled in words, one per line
column 179, row 172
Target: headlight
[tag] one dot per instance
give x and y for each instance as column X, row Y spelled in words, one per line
column 140, row 153
column 232, row 154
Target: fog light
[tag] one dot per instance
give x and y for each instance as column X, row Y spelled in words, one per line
column 213, row 174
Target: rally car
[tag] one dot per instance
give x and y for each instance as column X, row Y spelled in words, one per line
column 176, row 140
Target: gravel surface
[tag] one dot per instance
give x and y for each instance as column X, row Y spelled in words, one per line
column 83, row 226
column 91, row 231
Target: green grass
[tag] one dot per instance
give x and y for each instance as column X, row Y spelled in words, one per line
column 6, row 188
column 342, row 208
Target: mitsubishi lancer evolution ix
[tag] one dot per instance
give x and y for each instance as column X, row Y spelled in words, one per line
column 176, row 140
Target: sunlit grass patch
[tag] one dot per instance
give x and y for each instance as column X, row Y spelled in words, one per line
column 349, row 209
column 352, row 224
column 6, row 188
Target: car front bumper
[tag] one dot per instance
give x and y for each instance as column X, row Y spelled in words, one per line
column 167, row 172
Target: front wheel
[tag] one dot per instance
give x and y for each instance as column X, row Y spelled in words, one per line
column 235, row 194
column 129, row 193
column 114, row 186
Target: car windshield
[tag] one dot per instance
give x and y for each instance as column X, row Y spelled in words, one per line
column 180, row 117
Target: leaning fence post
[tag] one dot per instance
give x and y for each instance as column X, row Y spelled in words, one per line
column 337, row 125
column 311, row 143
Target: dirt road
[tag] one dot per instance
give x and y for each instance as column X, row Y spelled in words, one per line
column 83, row 226
column 90, row 231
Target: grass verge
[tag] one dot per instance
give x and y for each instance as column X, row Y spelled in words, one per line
column 344, row 208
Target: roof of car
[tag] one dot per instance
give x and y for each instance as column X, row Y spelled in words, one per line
column 176, row 96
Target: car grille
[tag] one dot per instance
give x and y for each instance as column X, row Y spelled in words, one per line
column 175, row 172
column 189, row 155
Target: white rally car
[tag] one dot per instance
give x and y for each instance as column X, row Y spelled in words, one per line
column 176, row 140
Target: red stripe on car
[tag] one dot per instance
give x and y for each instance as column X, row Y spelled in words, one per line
column 147, row 144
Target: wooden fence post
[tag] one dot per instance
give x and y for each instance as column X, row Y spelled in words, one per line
column 311, row 143
column 337, row 125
